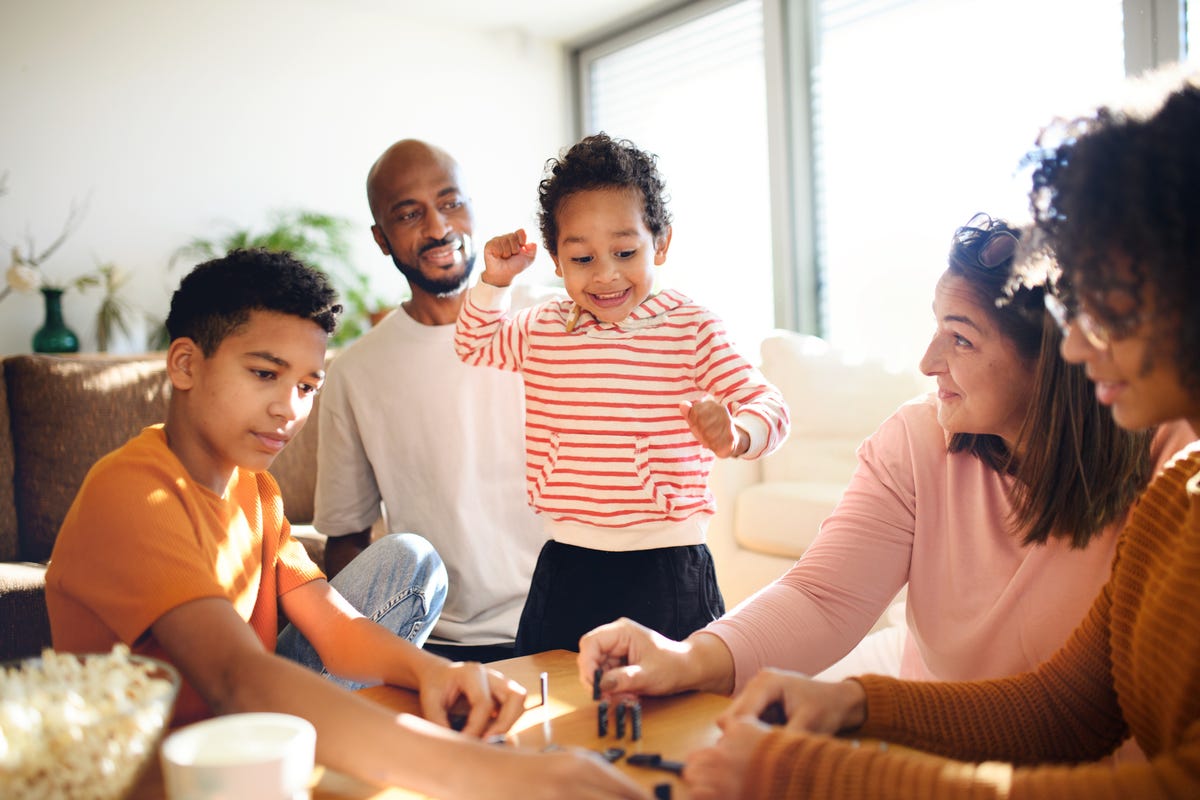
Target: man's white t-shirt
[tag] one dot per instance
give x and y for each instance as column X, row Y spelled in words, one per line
column 441, row 444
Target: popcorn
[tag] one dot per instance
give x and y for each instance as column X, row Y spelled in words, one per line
column 75, row 726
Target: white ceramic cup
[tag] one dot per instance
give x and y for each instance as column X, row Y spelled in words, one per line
column 239, row 756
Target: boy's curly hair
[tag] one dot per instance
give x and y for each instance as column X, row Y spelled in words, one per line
column 1121, row 189
column 601, row 162
column 216, row 298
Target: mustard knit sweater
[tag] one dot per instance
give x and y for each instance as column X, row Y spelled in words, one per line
column 1131, row 668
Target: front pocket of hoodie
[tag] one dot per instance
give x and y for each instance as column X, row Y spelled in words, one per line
column 624, row 478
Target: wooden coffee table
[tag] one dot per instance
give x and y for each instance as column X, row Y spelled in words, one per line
column 671, row 727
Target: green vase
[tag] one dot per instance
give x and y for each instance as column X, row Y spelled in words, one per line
column 54, row 336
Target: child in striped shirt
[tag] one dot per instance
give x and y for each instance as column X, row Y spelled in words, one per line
column 629, row 396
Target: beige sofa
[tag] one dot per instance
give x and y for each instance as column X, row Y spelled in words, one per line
column 58, row 415
column 769, row 511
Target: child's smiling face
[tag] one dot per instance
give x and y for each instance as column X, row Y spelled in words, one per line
column 606, row 254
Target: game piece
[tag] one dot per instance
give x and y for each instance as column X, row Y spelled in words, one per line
column 544, row 678
column 621, row 720
column 774, row 714
column 596, row 683
column 613, row 754
column 636, row 710
column 457, row 714
column 655, row 761
column 602, row 718
column 662, row 791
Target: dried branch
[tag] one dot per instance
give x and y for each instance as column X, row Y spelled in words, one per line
column 74, row 219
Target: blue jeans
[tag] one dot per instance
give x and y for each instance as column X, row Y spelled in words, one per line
column 399, row 581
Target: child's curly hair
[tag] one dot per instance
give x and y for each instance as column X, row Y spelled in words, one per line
column 601, row 162
column 1121, row 189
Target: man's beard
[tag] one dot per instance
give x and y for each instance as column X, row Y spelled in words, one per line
column 438, row 287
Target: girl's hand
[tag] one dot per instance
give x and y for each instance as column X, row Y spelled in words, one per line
column 505, row 257
column 713, row 426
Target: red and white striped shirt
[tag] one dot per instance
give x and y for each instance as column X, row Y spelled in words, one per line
column 605, row 442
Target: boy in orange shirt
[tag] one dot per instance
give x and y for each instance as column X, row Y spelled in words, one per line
column 177, row 546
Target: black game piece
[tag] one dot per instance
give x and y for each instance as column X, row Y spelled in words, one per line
column 636, row 709
column 644, row 760
column 544, row 679
column 613, row 754
column 655, row 761
column 662, row 791
column 773, row 714
column 457, row 713
column 596, row 683
column 621, row 720
column 602, row 719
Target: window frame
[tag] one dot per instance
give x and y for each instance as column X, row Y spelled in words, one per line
column 1155, row 34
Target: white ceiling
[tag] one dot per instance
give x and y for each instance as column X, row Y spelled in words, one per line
column 562, row 20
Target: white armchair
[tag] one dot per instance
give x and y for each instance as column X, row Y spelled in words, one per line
column 769, row 511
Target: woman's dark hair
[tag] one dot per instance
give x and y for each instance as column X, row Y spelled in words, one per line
column 1116, row 203
column 216, row 298
column 1078, row 472
column 601, row 162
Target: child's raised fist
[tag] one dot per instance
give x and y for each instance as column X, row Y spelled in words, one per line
column 507, row 256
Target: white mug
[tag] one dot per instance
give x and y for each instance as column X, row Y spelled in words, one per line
column 261, row 756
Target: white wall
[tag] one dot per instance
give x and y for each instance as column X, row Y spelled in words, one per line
column 174, row 116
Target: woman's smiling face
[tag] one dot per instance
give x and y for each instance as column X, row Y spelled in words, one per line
column 606, row 254
column 1136, row 374
column 984, row 386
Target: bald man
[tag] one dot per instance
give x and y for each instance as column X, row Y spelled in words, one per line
column 405, row 423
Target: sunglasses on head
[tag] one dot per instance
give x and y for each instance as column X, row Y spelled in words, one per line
column 992, row 247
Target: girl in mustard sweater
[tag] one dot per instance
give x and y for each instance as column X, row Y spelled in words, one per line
column 1117, row 204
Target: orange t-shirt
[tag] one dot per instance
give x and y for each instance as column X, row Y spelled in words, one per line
column 142, row 537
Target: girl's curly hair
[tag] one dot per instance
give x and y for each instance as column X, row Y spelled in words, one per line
column 1116, row 203
column 601, row 162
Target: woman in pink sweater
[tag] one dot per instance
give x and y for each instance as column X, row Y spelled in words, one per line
column 1002, row 554
column 1117, row 203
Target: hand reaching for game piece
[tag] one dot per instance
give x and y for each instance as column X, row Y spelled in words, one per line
column 481, row 701
column 808, row 705
column 714, row 427
column 505, row 257
column 720, row 771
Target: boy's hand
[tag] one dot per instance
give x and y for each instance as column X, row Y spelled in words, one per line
column 505, row 257
column 491, row 702
column 713, row 427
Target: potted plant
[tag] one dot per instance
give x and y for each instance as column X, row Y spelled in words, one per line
column 320, row 241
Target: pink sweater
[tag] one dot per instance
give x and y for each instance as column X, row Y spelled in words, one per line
column 980, row 604
column 606, row 445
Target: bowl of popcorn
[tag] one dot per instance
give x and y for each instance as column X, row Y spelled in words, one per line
column 81, row 726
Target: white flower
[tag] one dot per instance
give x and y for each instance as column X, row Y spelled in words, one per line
column 23, row 277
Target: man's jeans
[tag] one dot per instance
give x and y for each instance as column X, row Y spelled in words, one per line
column 398, row 582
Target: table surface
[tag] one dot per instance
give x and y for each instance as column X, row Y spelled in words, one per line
column 671, row 727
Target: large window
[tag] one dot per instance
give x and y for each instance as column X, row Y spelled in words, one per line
column 692, row 90
column 821, row 152
column 922, row 111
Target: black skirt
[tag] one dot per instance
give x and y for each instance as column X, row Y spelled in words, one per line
column 575, row 589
